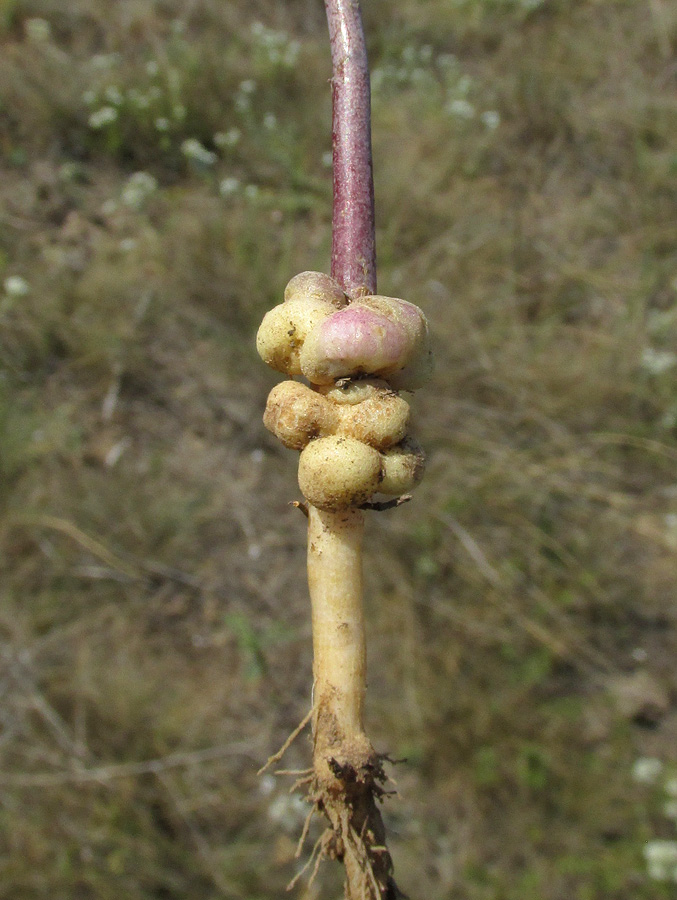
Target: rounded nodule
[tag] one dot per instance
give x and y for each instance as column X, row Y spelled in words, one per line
column 315, row 286
column 337, row 472
column 285, row 328
column 353, row 340
column 402, row 467
column 296, row 414
column 381, row 420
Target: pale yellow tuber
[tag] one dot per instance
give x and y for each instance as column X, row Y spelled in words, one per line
column 315, row 286
column 402, row 467
column 338, row 472
column 414, row 368
column 296, row 414
column 284, row 329
column 370, row 411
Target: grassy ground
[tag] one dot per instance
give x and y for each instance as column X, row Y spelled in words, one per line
column 163, row 174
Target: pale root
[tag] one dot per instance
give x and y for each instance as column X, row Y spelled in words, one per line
column 315, row 286
column 339, row 649
column 296, row 414
column 337, row 472
column 402, row 467
column 285, row 328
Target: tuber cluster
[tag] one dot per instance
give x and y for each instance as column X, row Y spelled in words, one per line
column 350, row 423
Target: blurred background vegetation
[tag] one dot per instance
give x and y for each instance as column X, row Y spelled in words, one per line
column 164, row 171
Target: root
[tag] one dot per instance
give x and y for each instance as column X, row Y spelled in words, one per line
column 317, row 849
column 300, row 782
column 276, row 757
column 355, row 834
column 304, row 833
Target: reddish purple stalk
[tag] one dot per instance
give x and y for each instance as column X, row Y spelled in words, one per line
column 353, row 254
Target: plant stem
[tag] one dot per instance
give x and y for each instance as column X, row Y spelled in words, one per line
column 353, row 255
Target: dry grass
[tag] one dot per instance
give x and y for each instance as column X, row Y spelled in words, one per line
column 154, row 636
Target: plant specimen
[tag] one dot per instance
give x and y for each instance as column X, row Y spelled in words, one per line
column 357, row 350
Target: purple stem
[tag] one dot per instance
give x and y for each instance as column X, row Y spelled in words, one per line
column 353, row 252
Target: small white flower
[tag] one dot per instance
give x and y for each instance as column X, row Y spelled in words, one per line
column 661, row 860
column 669, row 421
column 179, row 111
column 269, row 121
column 661, row 851
column 38, row 31
column 162, row 123
column 197, row 152
column 291, row 54
column 657, row 872
column 128, row 244
column 113, row 95
column 137, row 189
column 461, row 108
column 409, row 54
column 491, row 119
column 267, row 785
column 248, row 86
column 178, row 26
column 103, row 61
column 227, row 138
column 327, row 158
column 16, row 286
column 656, row 362
column 464, row 84
column 251, row 191
column 112, row 458
column 228, row 186
column 89, row 98
column 102, row 117
column 447, row 61
column 646, row 770
column 152, row 68
column 670, row 809
column 661, row 321
column 287, row 811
